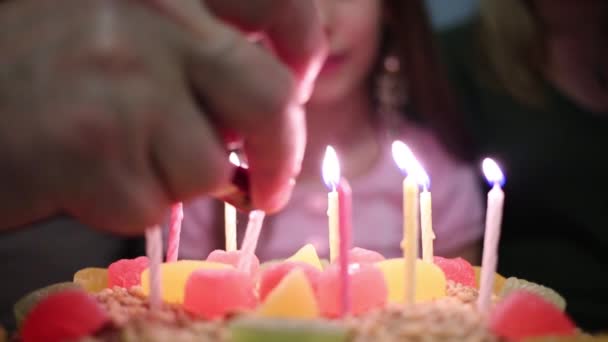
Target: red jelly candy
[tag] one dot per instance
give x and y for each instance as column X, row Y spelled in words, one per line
column 126, row 272
column 368, row 289
column 364, row 256
column 272, row 276
column 63, row 316
column 233, row 258
column 457, row 270
column 213, row 293
column 524, row 314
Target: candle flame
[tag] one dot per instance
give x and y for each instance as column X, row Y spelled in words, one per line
column 493, row 172
column 407, row 162
column 331, row 168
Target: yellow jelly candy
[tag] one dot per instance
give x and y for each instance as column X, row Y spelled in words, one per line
column 430, row 280
column 307, row 254
column 92, row 279
column 294, row 297
column 499, row 281
column 174, row 276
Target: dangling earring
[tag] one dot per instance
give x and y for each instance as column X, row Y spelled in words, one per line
column 391, row 94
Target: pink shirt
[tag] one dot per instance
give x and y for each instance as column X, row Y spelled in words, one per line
column 377, row 209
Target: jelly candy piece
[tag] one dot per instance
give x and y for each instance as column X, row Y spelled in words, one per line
column 525, row 314
column 66, row 315
column 281, row 330
column 126, row 272
column 27, row 302
column 307, row 254
column 513, row 284
column 457, row 270
column 174, row 276
column 213, row 293
column 361, row 255
column 233, row 258
column 499, row 280
column 367, row 284
column 293, row 297
column 92, row 279
column 273, row 275
column 268, row 264
column 430, row 280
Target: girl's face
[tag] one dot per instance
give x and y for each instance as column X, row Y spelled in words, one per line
column 353, row 29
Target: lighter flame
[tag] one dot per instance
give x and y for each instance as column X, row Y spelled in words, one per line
column 407, row 162
column 492, row 172
column 331, row 168
column 234, row 159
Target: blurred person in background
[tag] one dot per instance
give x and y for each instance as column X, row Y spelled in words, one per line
column 533, row 80
column 382, row 80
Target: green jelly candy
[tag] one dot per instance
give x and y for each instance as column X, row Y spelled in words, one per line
column 513, row 284
column 27, row 302
column 281, row 330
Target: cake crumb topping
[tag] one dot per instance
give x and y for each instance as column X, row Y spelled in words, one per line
column 446, row 319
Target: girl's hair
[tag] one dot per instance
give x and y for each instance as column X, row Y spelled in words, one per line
column 409, row 35
column 512, row 49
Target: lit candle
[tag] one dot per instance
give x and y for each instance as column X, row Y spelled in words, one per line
column 331, row 177
column 407, row 162
column 340, row 214
column 492, row 234
column 230, row 213
column 175, row 228
column 250, row 241
column 154, row 251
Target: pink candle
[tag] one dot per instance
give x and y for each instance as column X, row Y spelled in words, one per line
column 492, row 234
column 344, row 222
column 250, row 241
column 175, row 228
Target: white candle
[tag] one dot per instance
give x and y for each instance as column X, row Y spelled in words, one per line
column 331, row 176
column 492, row 234
column 154, row 251
column 333, row 223
column 416, row 176
column 410, row 236
column 230, row 226
column 230, row 211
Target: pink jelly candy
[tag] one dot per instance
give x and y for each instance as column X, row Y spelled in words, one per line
column 524, row 314
column 233, row 258
column 127, row 272
column 62, row 316
column 457, row 270
column 367, row 284
column 364, row 256
column 214, row 293
column 272, row 276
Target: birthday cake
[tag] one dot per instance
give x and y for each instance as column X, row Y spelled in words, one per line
column 297, row 299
